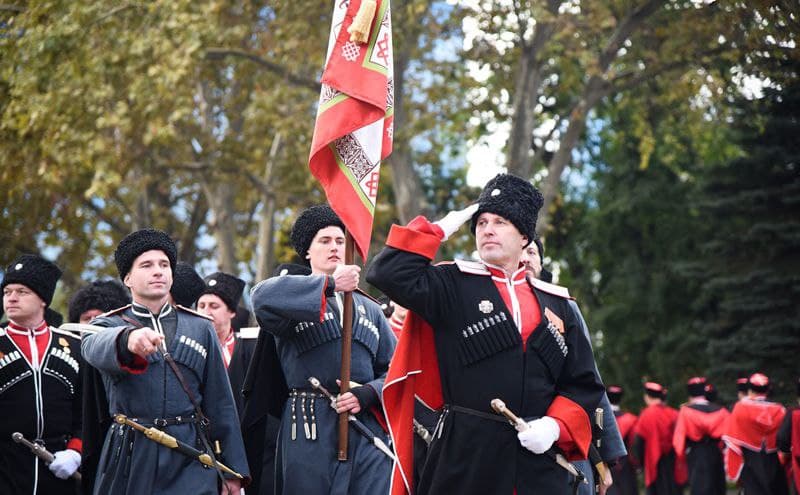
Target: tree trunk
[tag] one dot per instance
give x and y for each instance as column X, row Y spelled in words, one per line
column 220, row 197
column 266, row 224
column 577, row 122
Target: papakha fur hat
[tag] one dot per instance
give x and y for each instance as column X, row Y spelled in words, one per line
column 35, row 273
column 311, row 221
column 514, row 199
column 139, row 242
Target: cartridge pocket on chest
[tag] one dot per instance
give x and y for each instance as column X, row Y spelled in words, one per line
column 486, row 337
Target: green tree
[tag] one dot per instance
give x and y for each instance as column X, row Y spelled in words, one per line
column 750, row 267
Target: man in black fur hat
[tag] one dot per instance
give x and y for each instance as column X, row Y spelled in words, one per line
column 305, row 315
column 95, row 299
column 184, row 392
column 40, row 386
column 495, row 334
column 219, row 300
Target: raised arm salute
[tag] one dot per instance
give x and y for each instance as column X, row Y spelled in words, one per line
column 488, row 332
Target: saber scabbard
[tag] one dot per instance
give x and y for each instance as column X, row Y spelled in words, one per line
column 39, row 451
column 354, row 421
column 520, row 425
column 167, row 440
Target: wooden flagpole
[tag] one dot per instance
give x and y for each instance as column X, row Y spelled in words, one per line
column 347, row 345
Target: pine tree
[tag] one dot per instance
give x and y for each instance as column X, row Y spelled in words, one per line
column 751, row 295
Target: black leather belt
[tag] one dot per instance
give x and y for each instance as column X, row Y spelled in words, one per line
column 474, row 412
column 162, row 422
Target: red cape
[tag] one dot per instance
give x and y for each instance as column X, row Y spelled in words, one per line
column 752, row 423
column 694, row 425
column 656, row 427
column 413, row 372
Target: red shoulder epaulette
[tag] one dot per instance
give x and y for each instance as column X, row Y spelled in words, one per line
column 189, row 310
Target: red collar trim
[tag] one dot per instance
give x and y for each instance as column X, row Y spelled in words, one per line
column 40, row 329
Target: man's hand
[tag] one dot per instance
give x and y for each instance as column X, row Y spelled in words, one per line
column 345, row 278
column 144, row 341
column 606, row 482
column 540, row 435
column 455, row 219
column 65, row 464
column 347, row 402
column 231, row 487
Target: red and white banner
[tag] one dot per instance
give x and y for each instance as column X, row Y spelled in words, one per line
column 353, row 130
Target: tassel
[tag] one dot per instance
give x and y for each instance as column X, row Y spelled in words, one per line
column 362, row 22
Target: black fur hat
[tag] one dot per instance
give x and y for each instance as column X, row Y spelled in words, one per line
column 35, row 273
column 103, row 295
column 311, row 221
column 226, row 287
column 696, row 386
column 614, row 393
column 514, row 199
column 52, row 317
column 139, row 242
column 187, row 285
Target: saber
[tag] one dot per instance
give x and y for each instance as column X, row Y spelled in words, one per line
column 39, row 451
column 594, row 449
column 520, row 425
column 163, row 438
column 80, row 328
column 360, row 427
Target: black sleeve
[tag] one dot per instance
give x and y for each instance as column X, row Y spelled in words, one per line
column 413, row 282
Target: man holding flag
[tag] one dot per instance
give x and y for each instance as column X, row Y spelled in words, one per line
column 308, row 315
column 305, row 315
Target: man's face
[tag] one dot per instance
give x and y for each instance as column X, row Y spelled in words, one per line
column 498, row 240
column 326, row 250
column 89, row 315
column 532, row 260
column 150, row 277
column 211, row 305
column 21, row 304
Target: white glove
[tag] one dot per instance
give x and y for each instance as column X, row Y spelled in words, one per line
column 66, row 462
column 540, row 435
column 455, row 219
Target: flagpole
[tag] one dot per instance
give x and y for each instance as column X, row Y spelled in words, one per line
column 347, row 344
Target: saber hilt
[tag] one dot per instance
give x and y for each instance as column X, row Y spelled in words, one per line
column 594, row 450
column 39, row 451
column 520, row 425
column 163, row 438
